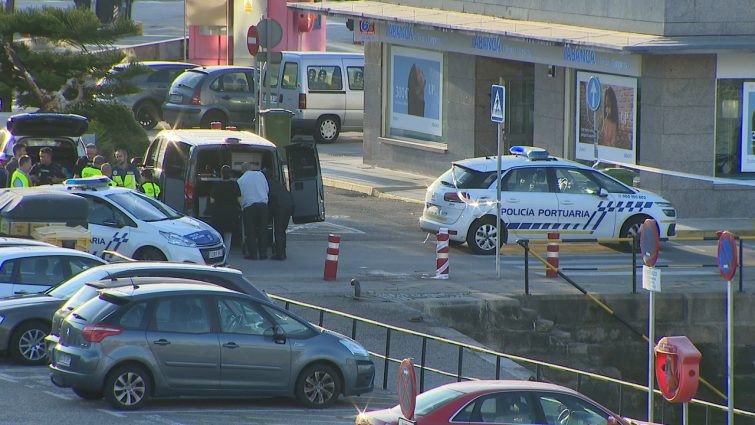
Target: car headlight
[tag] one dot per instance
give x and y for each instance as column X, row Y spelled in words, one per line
column 175, row 239
column 354, row 347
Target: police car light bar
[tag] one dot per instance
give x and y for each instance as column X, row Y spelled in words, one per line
column 529, row 152
column 92, row 182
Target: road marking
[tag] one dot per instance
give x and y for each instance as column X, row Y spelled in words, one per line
column 5, row 377
column 694, row 248
column 160, row 419
column 64, row 397
column 110, row 412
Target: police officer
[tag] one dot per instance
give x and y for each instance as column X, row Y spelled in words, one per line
column 125, row 174
column 149, row 187
column 46, row 171
column 21, row 177
column 19, row 150
column 94, row 169
column 281, row 205
column 85, row 161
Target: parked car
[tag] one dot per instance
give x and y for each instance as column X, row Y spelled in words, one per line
column 324, row 90
column 60, row 301
column 500, row 402
column 4, row 242
column 141, row 341
column 26, row 271
column 201, row 96
column 147, row 104
column 540, row 194
column 186, row 164
column 60, row 132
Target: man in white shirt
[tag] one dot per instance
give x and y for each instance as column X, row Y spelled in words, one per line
column 254, row 198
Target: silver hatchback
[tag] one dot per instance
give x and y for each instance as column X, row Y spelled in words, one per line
column 196, row 339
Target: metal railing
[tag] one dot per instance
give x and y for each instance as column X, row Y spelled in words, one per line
column 706, row 408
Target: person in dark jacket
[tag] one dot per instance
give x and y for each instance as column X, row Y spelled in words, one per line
column 225, row 200
column 281, row 205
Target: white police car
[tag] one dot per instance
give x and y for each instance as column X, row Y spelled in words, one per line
column 141, row 227
column 540, row 194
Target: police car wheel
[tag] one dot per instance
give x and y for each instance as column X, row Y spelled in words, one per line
column 632, row 228
column 149, row 254
column 482, row 236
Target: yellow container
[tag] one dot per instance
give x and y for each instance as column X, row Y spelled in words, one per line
column 68, row 237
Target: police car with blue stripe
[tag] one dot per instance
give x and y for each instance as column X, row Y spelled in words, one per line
column 540, row 194
column 141, row 227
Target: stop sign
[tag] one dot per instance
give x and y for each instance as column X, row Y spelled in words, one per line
column 252, row 41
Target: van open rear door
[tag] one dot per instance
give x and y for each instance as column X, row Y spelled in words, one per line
column 305, row 182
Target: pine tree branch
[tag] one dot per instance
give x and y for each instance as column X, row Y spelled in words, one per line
column 33, row 88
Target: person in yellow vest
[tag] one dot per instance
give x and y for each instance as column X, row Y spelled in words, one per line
column 125, row 174
column 21, row 175
column 149, row 187
column 94, row 170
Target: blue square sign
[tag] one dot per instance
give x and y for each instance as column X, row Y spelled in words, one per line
column 497, row 103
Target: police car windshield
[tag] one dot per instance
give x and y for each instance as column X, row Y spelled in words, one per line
column 467, row 178
column 144, row 208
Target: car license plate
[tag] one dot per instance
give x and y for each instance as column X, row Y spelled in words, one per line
column 434, row 210
column 176, row 98
column 64, row 360
column 217, row 253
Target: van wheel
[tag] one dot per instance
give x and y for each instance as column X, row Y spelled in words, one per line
column 149, row 253
column 147, row 115
column 327, row 129
column 211, row 117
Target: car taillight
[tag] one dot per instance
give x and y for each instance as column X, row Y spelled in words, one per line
column 196, row 98
column 96, row 333
column 454, row 196
column 188, row 192
column 302, row 101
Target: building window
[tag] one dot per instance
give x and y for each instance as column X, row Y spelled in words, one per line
column 521, row 106
column 416, row 105
column 735, row 156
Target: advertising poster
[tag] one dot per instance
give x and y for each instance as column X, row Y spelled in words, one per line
column 417, row 80
column 748, row 127
column 616, row 119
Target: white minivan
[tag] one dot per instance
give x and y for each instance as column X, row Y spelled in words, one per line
column 324, row 90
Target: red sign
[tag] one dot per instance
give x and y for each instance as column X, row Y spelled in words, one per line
column 407, row 388
column 253, row 40
column 649, row 242
column 306, row 21
column 677, row 368
column 727, row 255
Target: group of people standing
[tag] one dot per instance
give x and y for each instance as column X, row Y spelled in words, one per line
column 254, row 198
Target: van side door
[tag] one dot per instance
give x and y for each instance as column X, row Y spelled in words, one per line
column 290, row 87
column 354, row 113
column 177, row 188
column 305, row 183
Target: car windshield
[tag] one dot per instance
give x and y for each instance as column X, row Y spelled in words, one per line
column 429, row 401
column 143, row 207
column 69, row 287
column 467, row 178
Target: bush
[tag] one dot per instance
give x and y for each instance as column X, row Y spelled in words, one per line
column 115, row 128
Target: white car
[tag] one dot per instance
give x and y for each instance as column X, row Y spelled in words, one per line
column 540, row 194
column 143, row 228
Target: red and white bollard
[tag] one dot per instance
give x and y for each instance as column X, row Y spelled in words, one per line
column 331, row 261
column 216, row 125
column 442, row 254
column 552, row 255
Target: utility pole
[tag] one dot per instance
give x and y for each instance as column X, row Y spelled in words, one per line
column 6, row 96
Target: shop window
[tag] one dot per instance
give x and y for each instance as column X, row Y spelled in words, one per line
column 733, row 157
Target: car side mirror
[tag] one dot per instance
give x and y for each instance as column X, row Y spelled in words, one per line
column 137, row 161
column 279, row 335
column 111, row 222
column 602, row 193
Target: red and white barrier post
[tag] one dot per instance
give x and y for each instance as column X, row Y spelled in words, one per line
column 331, row 261
column 552, row 255
column 442, row 254
column 216, row 125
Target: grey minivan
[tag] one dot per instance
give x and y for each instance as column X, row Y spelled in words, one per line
column 195, row 339
column 201, row 96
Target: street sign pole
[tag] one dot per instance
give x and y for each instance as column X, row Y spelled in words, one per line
column 649, row 245
column 727, row 265
column 594, row 95
column 497, row 114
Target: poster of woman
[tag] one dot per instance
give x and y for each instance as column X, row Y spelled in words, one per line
column 614, row 123
column 748, row 127
column 416, row 77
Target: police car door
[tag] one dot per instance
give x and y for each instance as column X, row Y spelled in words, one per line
column 528, row 202
column 111, row 229
column 584, row 211
column 305, row 183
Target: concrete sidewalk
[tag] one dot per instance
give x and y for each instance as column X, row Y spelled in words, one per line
column 350, row 173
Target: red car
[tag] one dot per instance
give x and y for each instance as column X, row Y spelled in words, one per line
column 501, row 402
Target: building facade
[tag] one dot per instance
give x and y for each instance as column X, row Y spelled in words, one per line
column 666, row 85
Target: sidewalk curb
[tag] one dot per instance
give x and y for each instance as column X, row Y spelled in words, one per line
column 367, row 190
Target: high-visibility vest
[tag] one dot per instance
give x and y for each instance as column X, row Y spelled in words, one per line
column 90, row 172
column 19, row 175
column 129, row 180
column 151, row 189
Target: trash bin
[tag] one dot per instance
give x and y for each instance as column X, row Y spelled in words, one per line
column 275, row 126
column 623, row 175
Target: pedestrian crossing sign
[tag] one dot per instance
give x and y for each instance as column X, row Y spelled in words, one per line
column 497, row 103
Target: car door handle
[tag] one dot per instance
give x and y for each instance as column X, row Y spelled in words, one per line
column 226, row 97
column 231, row 345
column 20, row 292
column 512, row 200
column 162, row 342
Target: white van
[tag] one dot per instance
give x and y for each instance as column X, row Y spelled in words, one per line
column 324, row 90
